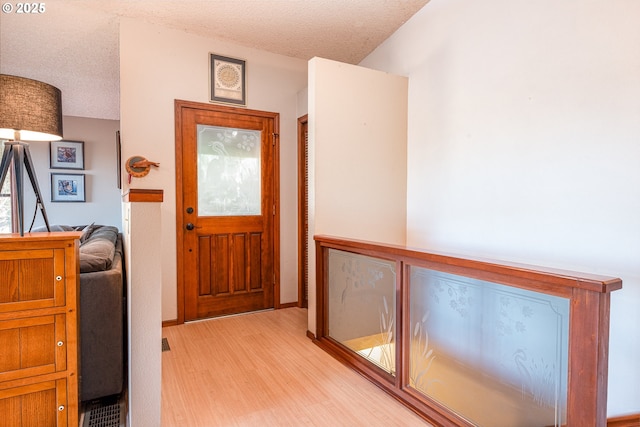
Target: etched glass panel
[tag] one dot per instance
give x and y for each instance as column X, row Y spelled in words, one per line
column 362, row 306
column 494, row 354
column 228, row 171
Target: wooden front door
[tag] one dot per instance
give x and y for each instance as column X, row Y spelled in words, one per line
column 226, row 171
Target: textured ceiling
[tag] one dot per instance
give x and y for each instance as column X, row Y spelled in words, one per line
column 344, row 30
column 75, row 42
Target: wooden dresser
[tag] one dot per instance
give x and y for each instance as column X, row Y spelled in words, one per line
column 39, row 278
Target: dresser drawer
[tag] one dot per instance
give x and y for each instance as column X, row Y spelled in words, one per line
column 32, row 346
column 32, row 279
column 41, row 404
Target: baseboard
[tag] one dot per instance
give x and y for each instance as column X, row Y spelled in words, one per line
column 310, row 335
column 174, row 322
column 166, row 323
column 632, row 420
column 288, row 305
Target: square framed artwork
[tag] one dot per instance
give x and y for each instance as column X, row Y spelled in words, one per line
column 67, row 187
column 66, row 154
column 227, row 82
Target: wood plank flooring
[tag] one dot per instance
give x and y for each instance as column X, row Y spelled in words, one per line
column 260, row 369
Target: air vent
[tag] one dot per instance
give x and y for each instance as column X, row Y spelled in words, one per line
column 105, row 413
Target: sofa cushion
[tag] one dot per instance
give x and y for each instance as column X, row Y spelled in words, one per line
column 86, row 231
column 98, row 249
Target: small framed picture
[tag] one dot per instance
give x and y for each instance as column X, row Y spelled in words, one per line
column 67, row 154
column 227, row 81
column 67, row 187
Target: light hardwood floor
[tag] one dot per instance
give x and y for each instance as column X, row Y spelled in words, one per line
column 260, row 369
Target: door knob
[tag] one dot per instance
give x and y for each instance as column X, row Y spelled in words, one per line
column 190, row 226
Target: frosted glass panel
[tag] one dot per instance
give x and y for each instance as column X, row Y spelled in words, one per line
column 228, row 171
column 362, row 306
column 494, row 354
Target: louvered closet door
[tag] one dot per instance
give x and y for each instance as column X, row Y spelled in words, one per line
column 303, row 211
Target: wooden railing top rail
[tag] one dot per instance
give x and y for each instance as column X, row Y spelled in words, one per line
column 521, row 275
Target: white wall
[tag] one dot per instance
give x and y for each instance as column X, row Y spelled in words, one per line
column 103, row 201
column 524, row 140
column 159, row 65
column 144, row 322
column 357, row 156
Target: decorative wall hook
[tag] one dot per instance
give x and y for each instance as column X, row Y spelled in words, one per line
column 138, row 166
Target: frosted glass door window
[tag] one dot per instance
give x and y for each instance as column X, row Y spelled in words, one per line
column 228, row 171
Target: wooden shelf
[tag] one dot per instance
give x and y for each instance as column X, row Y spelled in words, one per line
column 144, row 195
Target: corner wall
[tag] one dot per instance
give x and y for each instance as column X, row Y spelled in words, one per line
column 524, row 142
column 144, row 326
column 357, row 157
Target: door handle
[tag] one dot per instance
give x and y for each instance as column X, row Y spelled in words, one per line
column 190, row 226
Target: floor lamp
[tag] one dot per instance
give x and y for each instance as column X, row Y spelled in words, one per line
column 29, row 111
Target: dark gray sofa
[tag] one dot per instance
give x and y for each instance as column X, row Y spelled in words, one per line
column 102, row 314
column 102, row 310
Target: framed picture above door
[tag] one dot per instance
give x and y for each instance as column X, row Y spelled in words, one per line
column 227, row 80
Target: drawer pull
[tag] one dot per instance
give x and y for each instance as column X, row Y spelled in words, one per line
column 58, row 278
column 61, row 408
column 60, row 343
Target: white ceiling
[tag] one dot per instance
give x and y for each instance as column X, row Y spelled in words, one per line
column 74, row 43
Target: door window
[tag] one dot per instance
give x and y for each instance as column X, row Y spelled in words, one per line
column 228, row 171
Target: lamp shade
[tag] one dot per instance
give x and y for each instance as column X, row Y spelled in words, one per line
column 32, row 108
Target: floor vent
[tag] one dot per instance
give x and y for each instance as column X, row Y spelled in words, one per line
column 165, row 345
column 104, row 413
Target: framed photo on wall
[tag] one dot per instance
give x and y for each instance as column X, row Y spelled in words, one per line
column 67, row 187
column 227, row 82
column 67, row 154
